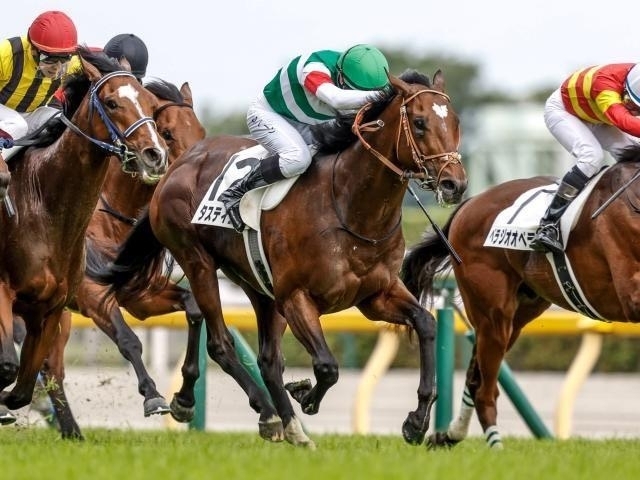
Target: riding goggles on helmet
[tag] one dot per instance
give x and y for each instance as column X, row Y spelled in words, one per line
column 51, row 58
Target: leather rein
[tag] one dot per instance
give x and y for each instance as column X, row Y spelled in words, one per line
column 418, row 157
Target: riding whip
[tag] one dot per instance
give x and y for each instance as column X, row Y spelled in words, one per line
column 436, row 228
column 614, row 196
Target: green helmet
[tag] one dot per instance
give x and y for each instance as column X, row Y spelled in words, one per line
column 364, row 67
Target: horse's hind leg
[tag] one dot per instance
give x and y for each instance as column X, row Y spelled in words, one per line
column 220, row 344
column 459, row 428
column 271, row 327
column 183, row 402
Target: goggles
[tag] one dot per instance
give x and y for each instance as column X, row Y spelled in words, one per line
column 52, row 58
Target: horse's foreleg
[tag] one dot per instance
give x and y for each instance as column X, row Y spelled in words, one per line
column 398, row 306
column 304, row 321
column 36, row 347
column 8, row 355
column 53, row 382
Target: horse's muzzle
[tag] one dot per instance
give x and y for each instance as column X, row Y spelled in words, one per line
column 153, row 163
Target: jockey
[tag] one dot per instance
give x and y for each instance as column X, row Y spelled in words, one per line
column 31, row 68
column 123, row 46
column 131, row 48
column 594, row 110
column 310, row 90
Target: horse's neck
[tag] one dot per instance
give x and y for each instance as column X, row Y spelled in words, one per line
column 366, row 192
column 125, row 193
column 65, row 178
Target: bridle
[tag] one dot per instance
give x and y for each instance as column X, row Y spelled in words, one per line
column 419, row 158
column 118, row 137
column 162, row 108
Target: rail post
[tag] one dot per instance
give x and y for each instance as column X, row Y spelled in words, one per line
column 445, row 356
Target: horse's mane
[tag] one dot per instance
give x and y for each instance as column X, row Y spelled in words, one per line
column 629, row 154
column 76, row 85
column 336, row 135
column 164, row 90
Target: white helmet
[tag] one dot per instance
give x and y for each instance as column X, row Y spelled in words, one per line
column 632, row 84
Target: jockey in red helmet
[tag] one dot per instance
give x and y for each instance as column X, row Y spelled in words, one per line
column 31, row 67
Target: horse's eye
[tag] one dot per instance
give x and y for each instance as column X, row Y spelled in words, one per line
column 111, row 104
column 420, row 125
column 166, row 134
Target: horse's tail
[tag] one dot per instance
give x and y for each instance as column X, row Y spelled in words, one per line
column 425, row 260
column 139, row 260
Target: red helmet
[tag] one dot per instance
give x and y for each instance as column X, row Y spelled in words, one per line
column 53, row 32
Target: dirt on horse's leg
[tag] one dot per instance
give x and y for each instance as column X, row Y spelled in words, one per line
column 53, row 383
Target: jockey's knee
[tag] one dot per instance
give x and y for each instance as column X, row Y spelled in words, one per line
column 294, row 163
column 590, row 160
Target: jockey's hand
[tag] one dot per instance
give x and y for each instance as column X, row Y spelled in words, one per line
column 6, row 141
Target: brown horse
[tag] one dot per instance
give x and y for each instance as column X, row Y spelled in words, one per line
column 122, row 198
column 54, row 190
column 334, row 242
column 503, row 290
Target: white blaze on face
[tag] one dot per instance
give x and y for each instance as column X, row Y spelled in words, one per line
column 442, row 112
column 131, row 94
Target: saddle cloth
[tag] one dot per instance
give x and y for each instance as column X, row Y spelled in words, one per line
column 212, row 212
column 515, row 226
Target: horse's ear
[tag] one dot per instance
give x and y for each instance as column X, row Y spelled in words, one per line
column 124, row 63
column 399, row 85
column 92, row 73
column 185, row 91
column 438, row 81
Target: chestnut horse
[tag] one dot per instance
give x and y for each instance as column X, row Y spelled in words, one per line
column 332, row 243
column 54, row 190
column 122, row 198
column 503, row 290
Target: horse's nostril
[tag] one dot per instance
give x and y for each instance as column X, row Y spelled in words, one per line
column 155, row 156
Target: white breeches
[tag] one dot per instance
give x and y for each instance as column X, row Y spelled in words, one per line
column 287, row 138
column 585, row 141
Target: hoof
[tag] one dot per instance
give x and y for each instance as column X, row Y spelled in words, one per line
column 295, row 435
column 73, row 435
column 156, row 406
column 271, row 429
column 440, row 440
column 6, row 417
column 181, row 414
column 412, row 434
column 299, row 389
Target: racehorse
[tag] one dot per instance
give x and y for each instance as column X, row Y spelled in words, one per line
column 54, row 190
column 504, row 289
column 333, row 242
column 122, row 198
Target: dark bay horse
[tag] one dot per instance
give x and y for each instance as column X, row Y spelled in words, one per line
column 503, row 290
column 334, row 242
column 54, row 190
column 122, row 198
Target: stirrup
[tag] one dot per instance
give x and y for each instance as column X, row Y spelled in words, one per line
column 547, row 239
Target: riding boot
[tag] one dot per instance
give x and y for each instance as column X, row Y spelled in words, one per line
column 264, row 173
column 547, row 237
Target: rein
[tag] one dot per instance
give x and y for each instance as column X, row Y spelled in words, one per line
column 418, row 157
column 114, row 213
column 117, row 147
column 343, row 225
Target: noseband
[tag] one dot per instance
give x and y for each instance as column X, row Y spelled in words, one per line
column 419, row 158
column 117, row 147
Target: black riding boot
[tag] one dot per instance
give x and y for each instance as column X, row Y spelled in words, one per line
column 547, row 237
column 266, row 172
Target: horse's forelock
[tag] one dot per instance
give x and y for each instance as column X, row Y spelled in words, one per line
column 164, row 90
